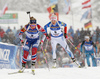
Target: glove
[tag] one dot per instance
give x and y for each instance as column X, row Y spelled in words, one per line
column 65, row 35
column 47, row 36
column 41, row 43
column 22, row 41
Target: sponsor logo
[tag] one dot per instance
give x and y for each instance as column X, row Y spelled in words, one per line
column 4, row 55
column 26, row 47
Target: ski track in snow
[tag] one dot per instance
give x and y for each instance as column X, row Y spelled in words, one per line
column 58, row 73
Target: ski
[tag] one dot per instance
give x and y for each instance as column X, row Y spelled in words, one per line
column 13, row 73
column 17, row 72
column 77, row 64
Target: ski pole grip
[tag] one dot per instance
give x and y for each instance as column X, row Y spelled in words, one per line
column 28, row 12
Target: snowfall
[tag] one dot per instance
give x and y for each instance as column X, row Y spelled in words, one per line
column 58, row 73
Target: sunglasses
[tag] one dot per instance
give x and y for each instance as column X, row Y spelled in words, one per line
column 32, row 21
column 32, row 25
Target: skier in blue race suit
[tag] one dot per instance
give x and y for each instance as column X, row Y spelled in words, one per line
column 89, row 50
column 58, row 36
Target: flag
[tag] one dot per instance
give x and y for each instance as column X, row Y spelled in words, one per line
column 5, row 8
column 86, row 4
column 66, row 9
column 87, row 15
column 53, row 10
column 88, row 25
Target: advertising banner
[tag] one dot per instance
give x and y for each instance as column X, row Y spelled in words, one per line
column 9, row 18
column 10, row 56
column 98, row 61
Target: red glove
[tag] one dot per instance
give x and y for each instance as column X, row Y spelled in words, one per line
column 65, row 35
column 22, row 41
column 47, row 36
column 41, row 43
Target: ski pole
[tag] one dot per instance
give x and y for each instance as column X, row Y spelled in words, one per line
column 29, row 19
column 73, row 45
column 45, row 55
column 75, row 48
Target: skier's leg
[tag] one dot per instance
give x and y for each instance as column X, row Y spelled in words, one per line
column 53, row 44
column 87, row 59
column 25, row 55
column 34, row 51
column 93, row 60
column 63, row 43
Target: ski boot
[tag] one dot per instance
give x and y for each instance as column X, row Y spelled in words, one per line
column 73, row 59
column 22, row 69
column 54, row 63
column 33, row 67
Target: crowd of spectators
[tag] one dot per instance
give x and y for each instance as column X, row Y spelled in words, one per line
column 78, row 36
column 10, row 36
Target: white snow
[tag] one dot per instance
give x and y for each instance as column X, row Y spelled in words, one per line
column 58, row 73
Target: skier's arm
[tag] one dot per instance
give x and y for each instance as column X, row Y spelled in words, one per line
column 43, row 31
column 45, row 36
column 46, row 26
column 65, row 28
column 95, row 46
column 82, row 45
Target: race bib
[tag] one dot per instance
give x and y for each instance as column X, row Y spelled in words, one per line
column 32, row 36
column 88, row 48
column 56, row 32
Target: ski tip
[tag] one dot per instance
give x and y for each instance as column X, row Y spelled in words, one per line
column 79, row 66
column 13, row 73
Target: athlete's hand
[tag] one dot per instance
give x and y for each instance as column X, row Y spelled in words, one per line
column 47, row 36
column 41, row 43
column 65, row 35
column 22, row 41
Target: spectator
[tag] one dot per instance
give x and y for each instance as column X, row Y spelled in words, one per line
column 8, row 30
column 16, row 41
column 71, row 31
column 78, row 32
column 98, row 38
column 98, row 47
column 11, row 36
column 21, row 27
column 76, row 38
column 0, row 39
column 5, row 38
column 82, row 33
column 94, row 37
column 88, row 32
column 1, row 33
column 14, row 31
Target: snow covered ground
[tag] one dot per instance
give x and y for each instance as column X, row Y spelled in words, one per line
column 58, row 73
